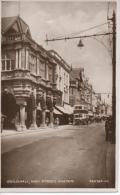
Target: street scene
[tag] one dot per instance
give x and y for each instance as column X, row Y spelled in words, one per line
column 59, row 158
column 58, row 95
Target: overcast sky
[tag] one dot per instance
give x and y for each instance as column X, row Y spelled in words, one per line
column 63, row 18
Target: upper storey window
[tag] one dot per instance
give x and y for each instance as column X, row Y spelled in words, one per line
column 32, row 63
column 42, row 69
column 50, row 74
column 8, row 60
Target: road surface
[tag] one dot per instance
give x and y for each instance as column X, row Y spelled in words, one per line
column 73, row 157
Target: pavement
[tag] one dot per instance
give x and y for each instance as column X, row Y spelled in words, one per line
column 73, row 155
column 11, row 132
column 46, row 129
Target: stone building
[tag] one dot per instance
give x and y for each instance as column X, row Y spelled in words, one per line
column 28, row 76
column 95, row 103
column 61, row 76
column 80, row 89
column 62, row 80
column 74, row 91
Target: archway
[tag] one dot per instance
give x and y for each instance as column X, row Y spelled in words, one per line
column 9, row 109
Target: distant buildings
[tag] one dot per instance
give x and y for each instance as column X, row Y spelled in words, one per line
column 82, row 92
column 80, row 89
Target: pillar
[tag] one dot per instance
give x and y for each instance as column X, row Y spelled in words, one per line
column 16, row 60
column 17, row 122
column 22, row 117
column 5, row 62
column 47, row 76
column 20, row 59
column 26, row 66
column 43, row 118
column 33, row 125
column 51, row 119
column 38, row 64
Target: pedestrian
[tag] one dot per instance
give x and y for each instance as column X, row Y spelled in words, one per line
column 47, row 121
column 112, row 130
column 107, row 128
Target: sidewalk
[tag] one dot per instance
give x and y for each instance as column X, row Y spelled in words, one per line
column 39, row 129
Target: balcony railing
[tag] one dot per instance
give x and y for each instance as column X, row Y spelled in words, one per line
column 12, row 37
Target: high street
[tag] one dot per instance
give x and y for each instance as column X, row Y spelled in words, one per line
column 73, row 156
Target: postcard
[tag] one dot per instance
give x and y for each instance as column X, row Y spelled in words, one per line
column 58, row 96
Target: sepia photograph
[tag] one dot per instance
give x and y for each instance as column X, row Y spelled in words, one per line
column 58, row 95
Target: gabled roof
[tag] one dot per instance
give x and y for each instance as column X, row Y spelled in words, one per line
column 8, row 22
column 75, row 73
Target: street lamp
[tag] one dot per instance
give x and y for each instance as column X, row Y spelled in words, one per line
column 80, row 44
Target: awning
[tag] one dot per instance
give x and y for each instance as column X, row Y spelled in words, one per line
column 68, row 108
column 56, row 112
column 65, row 110
column 61, row 109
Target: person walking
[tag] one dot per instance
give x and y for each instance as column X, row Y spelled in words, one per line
column 107, row 128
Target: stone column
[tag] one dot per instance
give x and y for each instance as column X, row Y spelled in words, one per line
column 51, row 119
column 17, row 122
column 33, row 125
column 26, row 59
column 47, row 76
column 38, row 64
column 22, row 117
column 20, row 59
column 43, row 119
column 16, row 60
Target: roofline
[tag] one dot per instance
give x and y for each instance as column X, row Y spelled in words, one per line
column 11, row 24
column 47, row 52
column 63, row 61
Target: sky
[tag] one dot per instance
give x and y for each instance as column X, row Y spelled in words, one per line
column 56, row 18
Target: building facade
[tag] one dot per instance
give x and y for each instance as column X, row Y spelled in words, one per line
column 28, row 76
column 80, row 89
column 61, row 76
column 62, row 80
